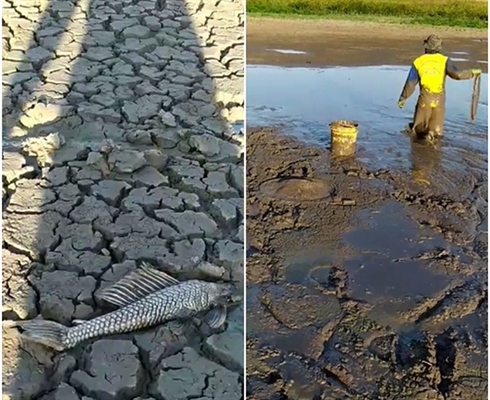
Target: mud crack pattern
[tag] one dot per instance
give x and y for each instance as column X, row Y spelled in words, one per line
column 141, row 164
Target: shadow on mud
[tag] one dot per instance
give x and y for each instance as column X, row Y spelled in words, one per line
column 377, row 290
column 141, row 165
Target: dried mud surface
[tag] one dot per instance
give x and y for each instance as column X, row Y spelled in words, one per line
column 118, row 149
column 376, row 291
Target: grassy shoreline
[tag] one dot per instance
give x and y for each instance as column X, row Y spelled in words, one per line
column 450, row 13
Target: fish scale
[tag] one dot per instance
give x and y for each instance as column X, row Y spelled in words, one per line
column 178, row 301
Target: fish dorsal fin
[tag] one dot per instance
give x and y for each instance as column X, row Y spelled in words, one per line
column 137, row 285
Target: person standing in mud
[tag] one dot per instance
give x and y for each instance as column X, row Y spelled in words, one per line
column 429, row 71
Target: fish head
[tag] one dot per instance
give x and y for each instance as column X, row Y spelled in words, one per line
column 221, row 293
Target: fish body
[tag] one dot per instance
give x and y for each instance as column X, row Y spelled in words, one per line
column 141, row 307
column 181, row 301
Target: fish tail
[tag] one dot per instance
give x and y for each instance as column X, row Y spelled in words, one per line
column 48, row 333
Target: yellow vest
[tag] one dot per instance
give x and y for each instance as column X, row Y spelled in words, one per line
column 432, row 71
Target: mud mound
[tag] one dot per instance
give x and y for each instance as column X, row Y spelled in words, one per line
column 296, row 189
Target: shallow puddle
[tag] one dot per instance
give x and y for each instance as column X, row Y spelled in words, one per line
column 286, row 51
column 316, row 266
column 388, row 272
column 303, row 101
column 385, row 270
column 390, row 232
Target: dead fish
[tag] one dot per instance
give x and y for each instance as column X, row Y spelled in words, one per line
column 146, row 297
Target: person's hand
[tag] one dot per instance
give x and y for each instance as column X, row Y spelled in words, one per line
column 476, row 72
column 401, row 103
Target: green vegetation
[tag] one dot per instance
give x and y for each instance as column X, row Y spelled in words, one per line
column 457, row 13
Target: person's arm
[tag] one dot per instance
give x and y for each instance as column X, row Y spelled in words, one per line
column 410, row 84
column 454, row 73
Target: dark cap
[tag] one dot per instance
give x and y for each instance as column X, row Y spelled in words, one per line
column 433, row 43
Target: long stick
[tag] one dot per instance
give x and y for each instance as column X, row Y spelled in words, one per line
column 475, row 97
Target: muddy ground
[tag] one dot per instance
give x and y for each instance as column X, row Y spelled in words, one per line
column 118, row 148
column 319, row 43
column 367, row 285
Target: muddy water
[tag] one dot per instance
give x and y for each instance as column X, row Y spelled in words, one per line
column 303, row 101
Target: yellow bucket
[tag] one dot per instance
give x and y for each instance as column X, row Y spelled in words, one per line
column 343, row 137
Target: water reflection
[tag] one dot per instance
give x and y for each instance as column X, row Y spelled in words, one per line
column 426, row 158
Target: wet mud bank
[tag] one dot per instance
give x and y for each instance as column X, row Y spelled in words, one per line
column 362, row 283
column 302, row 42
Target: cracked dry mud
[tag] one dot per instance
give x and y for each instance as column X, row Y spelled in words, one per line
column 376, row 291
column 141, row 165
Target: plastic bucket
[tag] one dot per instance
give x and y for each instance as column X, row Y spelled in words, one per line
column 343, row 137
